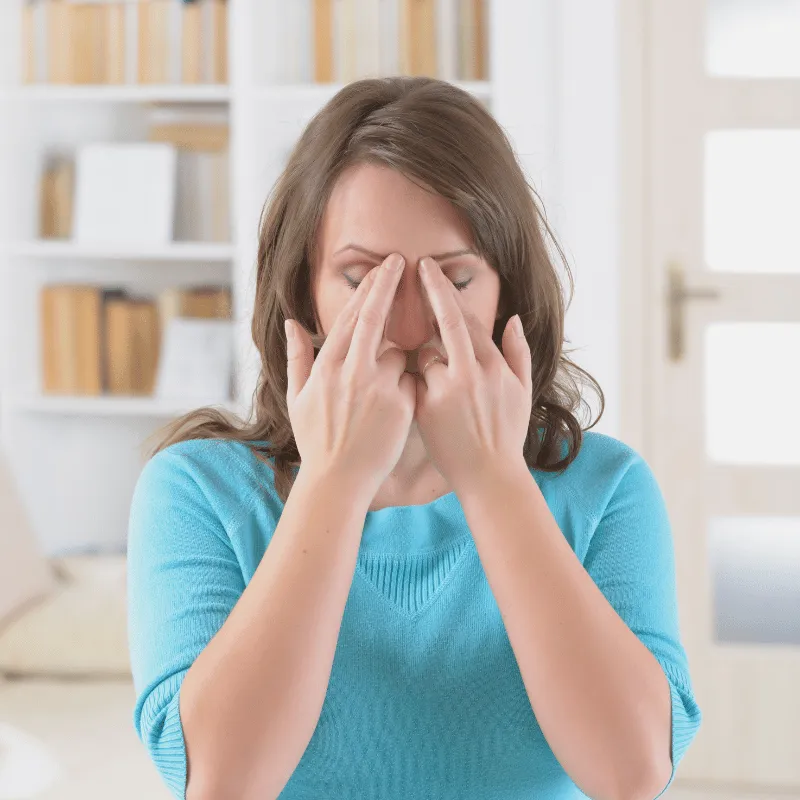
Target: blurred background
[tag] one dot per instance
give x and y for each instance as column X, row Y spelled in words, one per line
column 138, row 142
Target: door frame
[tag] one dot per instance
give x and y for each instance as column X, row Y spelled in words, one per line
column 637, row 278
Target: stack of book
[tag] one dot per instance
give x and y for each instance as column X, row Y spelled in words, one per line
column 99, row 340
column 202, row 196
column 355, row 39
column 112, row 42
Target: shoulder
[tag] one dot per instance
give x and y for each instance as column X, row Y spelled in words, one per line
column 222, row 473
column 605, row 470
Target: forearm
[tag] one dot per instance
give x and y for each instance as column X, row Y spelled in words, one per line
column 250, row 702
column 599, row 695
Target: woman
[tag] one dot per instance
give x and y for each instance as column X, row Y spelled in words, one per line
column 412, row 574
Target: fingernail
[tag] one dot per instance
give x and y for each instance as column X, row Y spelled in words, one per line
column 394, row 262
column 289, row 328
column 518, row 325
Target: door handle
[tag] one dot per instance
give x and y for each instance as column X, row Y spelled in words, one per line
column 677, row 295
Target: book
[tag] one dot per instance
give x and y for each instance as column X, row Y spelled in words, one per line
column 202, row 202
column 447, row 39
column 196, row 360
column 323, row 41
column 418, row 54
column 367, row 38
column 153, row 41
column 114, row 34
column 472, row 40
column 86, row 43
column 191, row 42
column 125, row 193
column 70, row 332
column 205, row 302
column 389, row 36
column 88, row 340
column 29, row 47
column 345, row 43
column 56, row 198
column 145, row 344
column 132, row 345
column 219, row 41
column 208, row 136
column 59, row 36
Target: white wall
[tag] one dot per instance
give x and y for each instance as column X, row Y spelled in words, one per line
column 562, row 117
column 587, row 164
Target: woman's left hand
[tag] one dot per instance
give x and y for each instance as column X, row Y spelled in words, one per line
column 473, row 411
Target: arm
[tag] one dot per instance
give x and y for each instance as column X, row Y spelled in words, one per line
column 231, row 680
column 597, row 643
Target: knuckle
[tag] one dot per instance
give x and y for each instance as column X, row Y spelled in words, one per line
column 371, row 316
column 451, row 322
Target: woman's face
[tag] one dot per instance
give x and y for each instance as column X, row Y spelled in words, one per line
column 374, row 211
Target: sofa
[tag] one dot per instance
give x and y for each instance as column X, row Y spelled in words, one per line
column 66, row 692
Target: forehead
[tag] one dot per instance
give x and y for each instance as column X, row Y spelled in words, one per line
column 381, row 209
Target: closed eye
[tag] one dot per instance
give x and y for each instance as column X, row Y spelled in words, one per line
column 461, row 285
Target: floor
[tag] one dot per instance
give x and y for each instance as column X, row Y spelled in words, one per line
column 678, row 792
column 89, row 729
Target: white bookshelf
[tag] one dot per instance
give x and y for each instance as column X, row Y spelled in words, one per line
column 177, row 251
column 84, row 453
column 111, row 406
column 201, row 93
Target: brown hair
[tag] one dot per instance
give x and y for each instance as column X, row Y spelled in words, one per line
column 445, row 140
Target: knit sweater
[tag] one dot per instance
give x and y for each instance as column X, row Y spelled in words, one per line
column 425, row 698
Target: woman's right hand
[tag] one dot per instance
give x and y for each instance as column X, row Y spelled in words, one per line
column 349, row 410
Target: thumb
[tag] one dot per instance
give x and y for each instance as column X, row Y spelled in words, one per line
column 299, row 358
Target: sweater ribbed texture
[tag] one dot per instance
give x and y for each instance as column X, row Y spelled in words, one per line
column 425, row 698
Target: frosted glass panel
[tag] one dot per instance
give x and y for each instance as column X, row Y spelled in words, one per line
column 752, row 369
column 752, row 200
column 753, row 38
column 755, row 564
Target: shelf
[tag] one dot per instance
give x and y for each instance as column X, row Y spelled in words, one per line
column 108, row 406
column 176, row 251
column 128, row 93
column 321, row 92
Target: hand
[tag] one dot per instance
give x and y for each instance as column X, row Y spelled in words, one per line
column 474, row 409
column 349, row 410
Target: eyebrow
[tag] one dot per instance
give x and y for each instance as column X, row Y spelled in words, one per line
column 378, row 257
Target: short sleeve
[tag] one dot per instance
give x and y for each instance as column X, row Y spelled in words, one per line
column 631, row 558
column 183, row 581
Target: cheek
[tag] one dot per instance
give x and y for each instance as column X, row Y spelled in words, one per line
column 485, row 311
column 329, row 304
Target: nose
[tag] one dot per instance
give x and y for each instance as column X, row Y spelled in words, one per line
column 411, row 322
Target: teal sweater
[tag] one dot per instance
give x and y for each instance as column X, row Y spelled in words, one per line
column 425, row 699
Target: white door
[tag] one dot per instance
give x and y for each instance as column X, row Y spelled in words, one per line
column 723, row 245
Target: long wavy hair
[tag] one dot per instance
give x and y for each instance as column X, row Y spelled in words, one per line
column 445, row 140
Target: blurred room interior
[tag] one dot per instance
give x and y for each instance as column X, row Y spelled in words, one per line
column 138, row 142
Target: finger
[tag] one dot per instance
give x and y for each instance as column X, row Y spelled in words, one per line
column 372, row 316
column 517, row 352
column 299, row 359
column 337, row 342
column 452, row 325
column 482, row 343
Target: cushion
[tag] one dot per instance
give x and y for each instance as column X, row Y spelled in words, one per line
column 25, row 574
column 79, row 629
